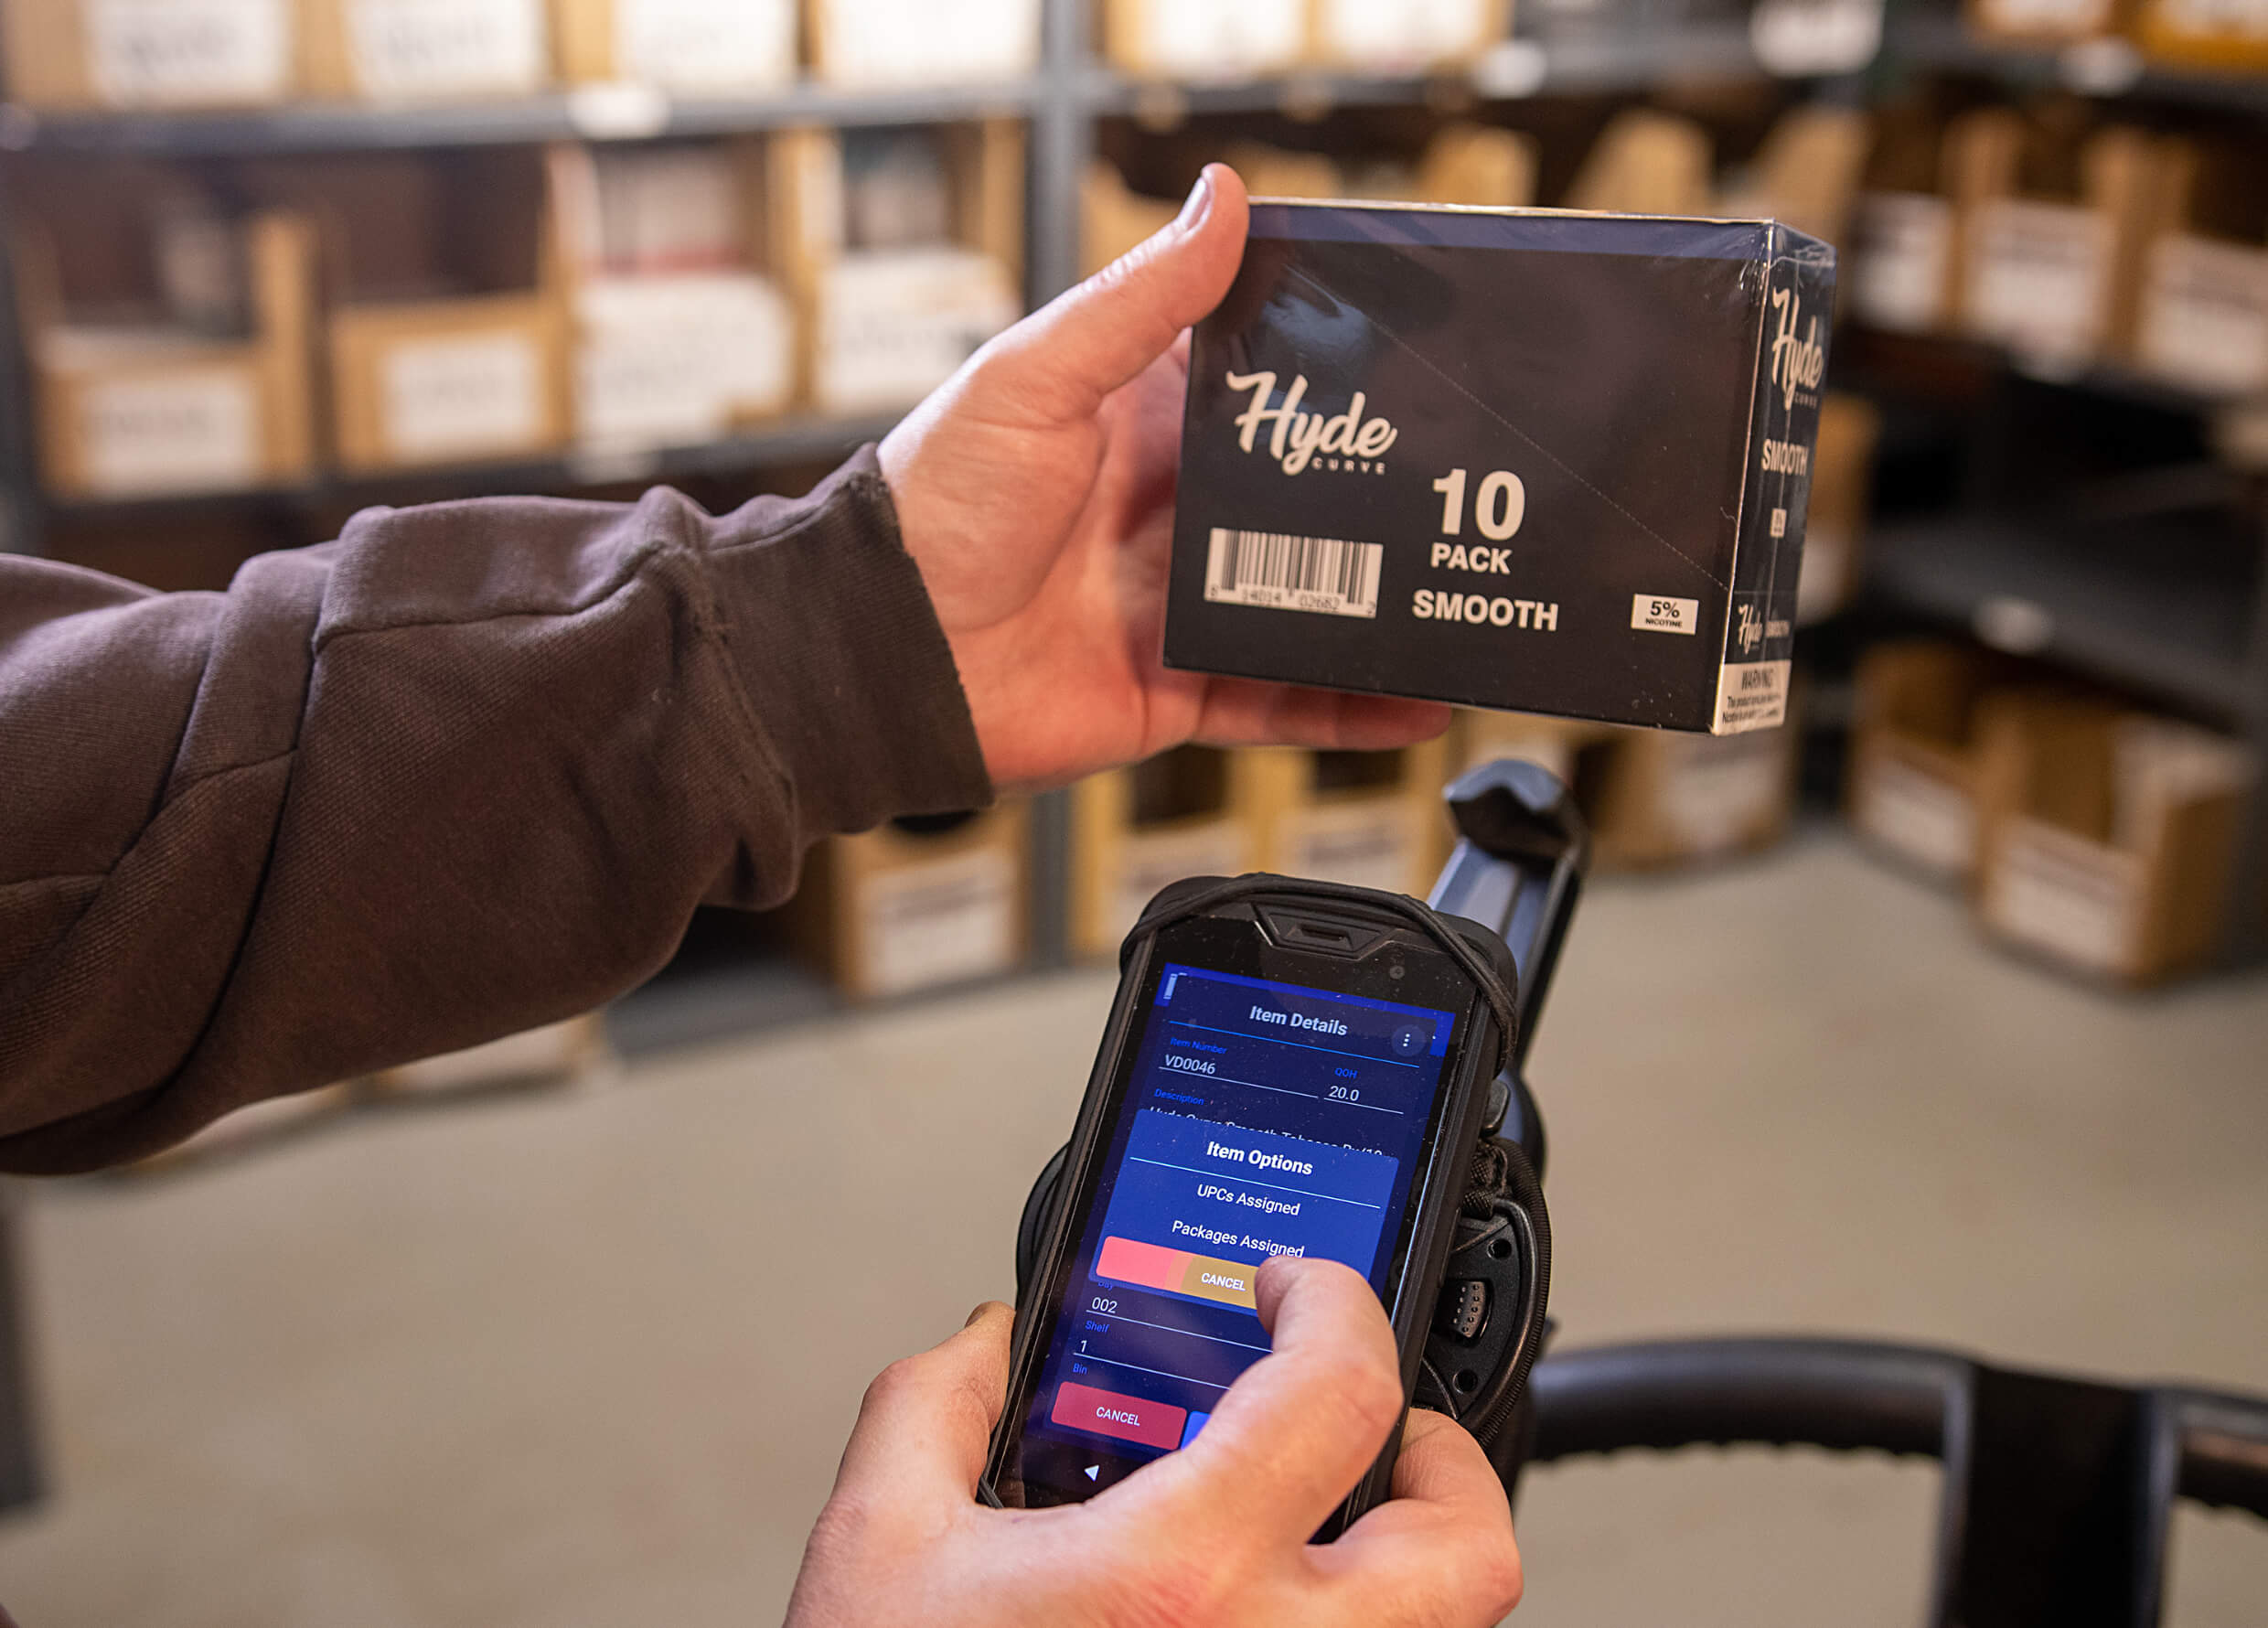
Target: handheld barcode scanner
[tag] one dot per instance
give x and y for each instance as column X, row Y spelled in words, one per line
column 1302, row 1067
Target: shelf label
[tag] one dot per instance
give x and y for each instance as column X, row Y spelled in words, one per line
column 459, row 396
column 706, row 45
column 189, row 432
column 938, row 923
column 448, row 48
column 159, row 53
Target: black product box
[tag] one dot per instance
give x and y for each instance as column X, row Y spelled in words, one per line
column 1543, row 461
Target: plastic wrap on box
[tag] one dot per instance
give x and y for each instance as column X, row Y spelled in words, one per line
column 1535, row 460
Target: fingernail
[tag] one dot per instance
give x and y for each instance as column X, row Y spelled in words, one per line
column 1200, row 203
column 977, row 1313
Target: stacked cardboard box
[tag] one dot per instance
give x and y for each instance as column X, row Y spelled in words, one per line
column 1205, row 40
column 907, row 254
column 871, row 44
column 1187, row 812
column 2114, row 856
column 445, row 328
column 918, row 904
column 682, row 328
column 421, row 50
column 151, row 53
column 2202, row 317
column 689, row 47
column 1371, row 818
column 169, row 337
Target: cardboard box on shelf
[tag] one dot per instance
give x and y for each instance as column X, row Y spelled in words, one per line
column 1187, row 812
column 918, row 904
column 1203, row 39
column 2114, row 856
column 1371, row 818
column 446, row 324
column 149, row 384
column 1555, row 744
column 1114, row 217
column 573, row 1049
column 2053, row 220
column 419, row 50
column 1902, row 273
column 878, row 44
column 2222, row 36
column 1646, row 162
column 682, row 329
column 2202, row 316
column 1930, row 753
column 1656, row 798
column 67, row 54
column 890, row 315
column 1806, row 172
column 1409, row 37
column 1842, row 492
column 700, row 47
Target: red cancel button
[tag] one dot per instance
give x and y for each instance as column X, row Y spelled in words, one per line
column 1153, row 1424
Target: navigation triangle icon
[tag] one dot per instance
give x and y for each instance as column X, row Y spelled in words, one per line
column 1093, row 1470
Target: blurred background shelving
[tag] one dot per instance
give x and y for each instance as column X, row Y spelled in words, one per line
column 2068, row 503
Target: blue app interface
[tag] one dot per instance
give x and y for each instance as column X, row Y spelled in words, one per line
column 1261, row 1119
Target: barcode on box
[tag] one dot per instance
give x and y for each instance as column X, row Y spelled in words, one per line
column 1326, row 574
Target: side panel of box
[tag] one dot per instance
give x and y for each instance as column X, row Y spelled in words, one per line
column 1792, row 369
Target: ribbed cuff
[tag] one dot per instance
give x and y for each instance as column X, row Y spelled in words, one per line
column 848, row 671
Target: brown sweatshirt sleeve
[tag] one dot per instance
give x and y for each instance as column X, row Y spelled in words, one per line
column 464, row 771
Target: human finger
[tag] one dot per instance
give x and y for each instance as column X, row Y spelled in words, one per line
column 1064, row 359
column 926, row 1420
column 1248, row 712
column 1298, row 1429
column 1442, row 1551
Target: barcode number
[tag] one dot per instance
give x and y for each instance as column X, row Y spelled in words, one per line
column 1326, row 574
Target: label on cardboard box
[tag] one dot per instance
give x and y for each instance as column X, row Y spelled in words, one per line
column 2072, row 900
column 178, row 432
column 1363, row 847
column 1203, row 39
column 462, row 395
column 2213, row 22
column 1154, row 861
column 2205, row 314
column 664, row 361
column 161, row 53
column 1454, row 451
column 927, row 42
column 1413, row 34
column 1917, row 815
column 1901, row 254
column 706, row 45
column 2038, row 277
column 2046, row 19
column 895, row 324
column 941, row 922
column 447, row 48
column 1718, row 794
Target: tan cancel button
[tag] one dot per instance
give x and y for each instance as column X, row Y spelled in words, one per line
column 1229, row 1281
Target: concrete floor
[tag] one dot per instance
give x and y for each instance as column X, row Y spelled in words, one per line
column 588, row 1358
